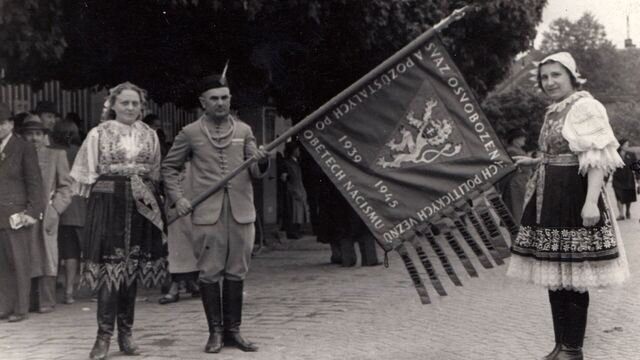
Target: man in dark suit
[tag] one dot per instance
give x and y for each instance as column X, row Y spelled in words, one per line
column 21, row 206
column 223, row 225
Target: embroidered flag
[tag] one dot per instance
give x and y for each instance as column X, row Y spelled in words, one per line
column 407, row 147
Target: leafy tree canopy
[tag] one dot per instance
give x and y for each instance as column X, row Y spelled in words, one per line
column 517, row 109
column 613, row 77
column 597, row 58
column 625, row 121
column 300, row 52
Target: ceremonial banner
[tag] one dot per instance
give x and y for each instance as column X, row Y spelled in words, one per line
column 408, row 145
column 410, row 149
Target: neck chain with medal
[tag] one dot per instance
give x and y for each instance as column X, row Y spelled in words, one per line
column 221, row 139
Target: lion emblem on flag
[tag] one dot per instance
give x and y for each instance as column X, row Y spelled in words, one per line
column 421, row 140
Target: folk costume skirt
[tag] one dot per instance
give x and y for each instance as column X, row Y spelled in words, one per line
column 124, row 242
column 553, row 249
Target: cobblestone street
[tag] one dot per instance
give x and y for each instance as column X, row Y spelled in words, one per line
column 298, row 307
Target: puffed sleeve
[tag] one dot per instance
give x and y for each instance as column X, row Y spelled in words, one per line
column 589, row 134
column 85, row 167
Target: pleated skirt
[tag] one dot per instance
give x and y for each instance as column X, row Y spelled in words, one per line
column 559, row 252
column 121, row 246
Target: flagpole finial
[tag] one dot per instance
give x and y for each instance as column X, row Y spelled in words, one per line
column 460, row 13
column 456, row 15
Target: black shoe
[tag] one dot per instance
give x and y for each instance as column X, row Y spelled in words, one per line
column 127, row 346
column 100, row 348
column 193, row 288
column 46, row 309
column 349, row 262
column 169, row 298
column 235, row 339
column 17, row 317
column 569, row 353
column 215, row 343
column 553, row 353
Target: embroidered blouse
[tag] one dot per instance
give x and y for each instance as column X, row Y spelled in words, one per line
column 115, row 148
column 587, row 132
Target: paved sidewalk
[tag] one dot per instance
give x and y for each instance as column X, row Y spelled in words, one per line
column 299, row 307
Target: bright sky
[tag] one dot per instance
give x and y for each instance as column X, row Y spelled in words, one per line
column 612, row 14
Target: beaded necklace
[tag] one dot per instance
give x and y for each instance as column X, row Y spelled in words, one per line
column 217, row 139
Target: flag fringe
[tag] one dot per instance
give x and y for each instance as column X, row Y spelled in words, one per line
column 481, row 218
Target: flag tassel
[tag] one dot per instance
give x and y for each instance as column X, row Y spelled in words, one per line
column 455, row 245
column 482, row 257
column 475, row 222
column 428, row 266
column 448, row 268
column 413, row 273
column 494, row 232
column 505, row 215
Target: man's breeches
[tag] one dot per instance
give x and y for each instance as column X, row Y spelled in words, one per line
column 223, row 249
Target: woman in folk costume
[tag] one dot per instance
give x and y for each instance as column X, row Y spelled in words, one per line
column 569, row 241
column 44, row 240
column 118, row 168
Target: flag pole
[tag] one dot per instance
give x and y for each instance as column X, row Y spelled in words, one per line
column 402, row 53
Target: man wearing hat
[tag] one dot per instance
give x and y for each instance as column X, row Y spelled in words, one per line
column 56, row 182
column 223, row 224
column 21, row 204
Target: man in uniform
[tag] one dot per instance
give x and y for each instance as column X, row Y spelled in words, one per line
column 21, row 204
column 223, row 224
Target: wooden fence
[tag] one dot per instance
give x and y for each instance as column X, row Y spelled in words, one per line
column 87, row 103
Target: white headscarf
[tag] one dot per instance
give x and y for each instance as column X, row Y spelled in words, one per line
column 567, row 61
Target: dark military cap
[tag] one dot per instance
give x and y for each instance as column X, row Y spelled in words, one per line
column 212, row 82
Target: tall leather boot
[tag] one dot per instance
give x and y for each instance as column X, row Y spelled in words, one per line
column 556, row 299
column 126, row 311
column 573, row 334
column 213, row 309
column 106, row 314
column 232, row 312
